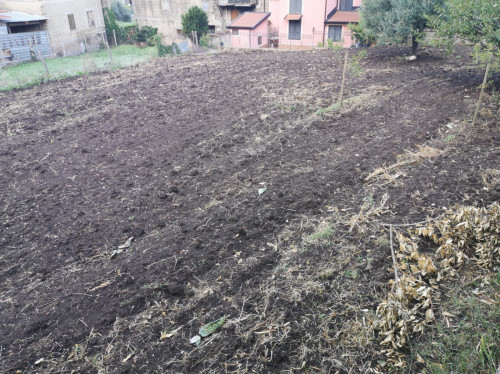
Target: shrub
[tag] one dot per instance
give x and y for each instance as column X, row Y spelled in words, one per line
column 164, row 50
column 361, row 35
column 206, row 41
column 145, row 34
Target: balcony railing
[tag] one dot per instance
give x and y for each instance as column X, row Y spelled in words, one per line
column 243, row 3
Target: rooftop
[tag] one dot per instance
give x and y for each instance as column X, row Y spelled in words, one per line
column 249, row 20
column 9, row 16
column 344, row 17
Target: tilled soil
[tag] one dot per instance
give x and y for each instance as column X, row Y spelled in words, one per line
column 173, row 154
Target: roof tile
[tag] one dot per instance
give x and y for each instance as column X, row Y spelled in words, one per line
column 248, row 20
column 344, row 17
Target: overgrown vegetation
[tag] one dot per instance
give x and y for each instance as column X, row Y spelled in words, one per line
column 164, row 50
column 132, row 34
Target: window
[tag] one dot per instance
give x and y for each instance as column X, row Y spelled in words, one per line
column 335, row 33
column 90, row 18
column 294, row 30
column 236, row 32
column 259, row 40
column 345, row 5
column 295, row 6
column 71, row 20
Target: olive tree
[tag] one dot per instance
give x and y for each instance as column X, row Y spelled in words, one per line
column 476, row 22
column 398, row 20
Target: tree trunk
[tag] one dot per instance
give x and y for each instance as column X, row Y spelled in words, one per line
column 414, row 46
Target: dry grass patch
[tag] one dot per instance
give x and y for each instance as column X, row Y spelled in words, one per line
column 404, row 160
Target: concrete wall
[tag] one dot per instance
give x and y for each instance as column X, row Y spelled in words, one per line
column 62, row 39
column 166, row 14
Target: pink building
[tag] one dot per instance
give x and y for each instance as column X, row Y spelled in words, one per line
column 250, row 30
column 297, row 24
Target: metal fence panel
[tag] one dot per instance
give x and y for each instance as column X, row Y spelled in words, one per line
column 184, row 46
column 250, row 39
column 19, row 44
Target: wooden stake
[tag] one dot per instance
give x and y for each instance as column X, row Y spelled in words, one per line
column 40, row 56
column 107, row 47
column 396, row 276
column 64, row 48
column 343, row 78
column 478, row 107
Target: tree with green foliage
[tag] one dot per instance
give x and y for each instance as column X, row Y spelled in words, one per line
column 194, row 20
column 122, row 13
column 397, row 21
column 110, row 24
column 477, row 22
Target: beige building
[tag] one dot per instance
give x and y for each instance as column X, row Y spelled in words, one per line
column 73, row 26
column 166, row 14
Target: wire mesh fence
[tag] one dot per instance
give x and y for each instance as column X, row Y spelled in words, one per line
column 250, row 39
column 32, row 73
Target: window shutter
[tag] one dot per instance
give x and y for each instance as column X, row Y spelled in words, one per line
column 294, row 30
column 295, row 6
column 345, row 5
column 71, row 20
column 335, row 33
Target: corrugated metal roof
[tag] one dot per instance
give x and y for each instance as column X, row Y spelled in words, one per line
column 344, row 17
column 9, row 16
column 248, row 20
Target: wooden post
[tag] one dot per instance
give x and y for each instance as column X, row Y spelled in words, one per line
column 114, row 36
column 85, row 43
column 64, row 47
column 478, row 107
column 107, row 47
column 343, row 78
column 40, row 56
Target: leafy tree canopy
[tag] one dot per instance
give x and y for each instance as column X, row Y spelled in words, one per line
column 477, row 22
column 398, row 20
column 122, row 13
column 194, row 20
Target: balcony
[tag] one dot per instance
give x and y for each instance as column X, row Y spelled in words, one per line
column 238, row 3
